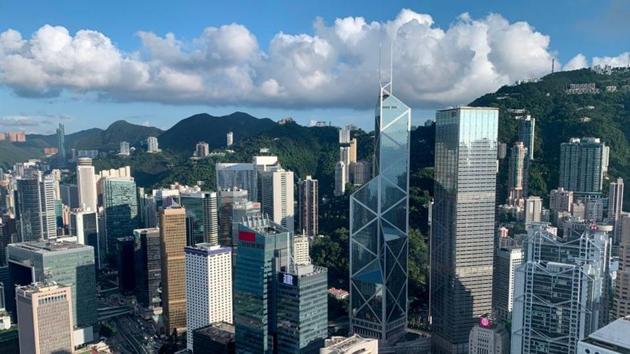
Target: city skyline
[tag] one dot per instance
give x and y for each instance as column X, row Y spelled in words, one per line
column 317, row 43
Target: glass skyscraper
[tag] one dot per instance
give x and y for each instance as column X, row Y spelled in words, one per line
column 121, row 209
column 378, row 229
column 462, row 239
column 202, row 225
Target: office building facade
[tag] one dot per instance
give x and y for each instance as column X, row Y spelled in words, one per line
column 120, row 203
column 86, row 184
column 148, row 266
column 173, row 242
column 202, row 224
column 509, row 256
column 228, row 199
column 615, row 205
column 621, row 300
column 516, row 172
column 308, row 205
column 36, row 207
column 208, row 287
column 487, row 337
column 237, row 176
column 527, row 133
column 462, row 239
column 278, row 197
column 379, row 223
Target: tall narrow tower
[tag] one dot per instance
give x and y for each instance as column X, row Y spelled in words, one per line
column 378, row 229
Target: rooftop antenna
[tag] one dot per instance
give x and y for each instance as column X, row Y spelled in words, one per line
column 553, row 64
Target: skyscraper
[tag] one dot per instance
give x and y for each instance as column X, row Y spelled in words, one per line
column 610, row 339
column 44, row 312
column 615, row 205
column 61, row 142
column 66, row 263
column 173, row 242
column 621, row 300
column 202, row 224
column 148, row 266
column 208, row 287
column 84, row 225
column 488, row 338
column 86, row 184
column 560, row 290
column 353, row 150
column 340, row 178
column 516, row 172
column 560, row 200
column 308, row 205
column 152, row 145
column 277, row 197
column 36, row 207
column 124, row 148
column 462, row 239
column 237, row 176
column 229, row 139
column 228, row 198
column 533, row 210
column 120, row 203
column 583, row 165
column 202, row 149
column 262, row 251
column 527, row 133
column 378, row 229
column 508, row 258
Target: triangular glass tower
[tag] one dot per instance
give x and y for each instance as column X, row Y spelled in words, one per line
column 378, row 229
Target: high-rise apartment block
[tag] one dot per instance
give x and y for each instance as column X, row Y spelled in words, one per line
column 462, row 240
column 560, row 200
column 262, row 252
column 615, row 205
column 237, row 176
column 208, row 287
column 36, row 207
column 516, row 173
column 621, row 300
column 583, row 165
column 300, row 252
column 173, row 242
column 353, row 150
column 44, row 312
column 308, row 205
column 148, row 266
column 229, row 139
column 124, row 149
column 560, row 290
column 202, row 224
column 202, row 149
column 533, row 210
column 152, row 145
column 86, row 184
column 61, row 142
column 340, row 178
column 509, row 256
column 277, row 197
column 378, row 229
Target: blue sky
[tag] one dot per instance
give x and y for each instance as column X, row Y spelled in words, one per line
column 595, row 29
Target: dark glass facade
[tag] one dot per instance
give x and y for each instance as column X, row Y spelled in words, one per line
column 121, row 209
column 147, row 266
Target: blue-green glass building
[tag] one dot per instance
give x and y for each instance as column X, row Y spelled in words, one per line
column 121, row 209
column 262, row 247
column 202, row 225
column 378, row 229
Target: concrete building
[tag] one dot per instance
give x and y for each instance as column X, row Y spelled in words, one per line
column 229, row 139
column 237, row 176
column 621, row 300
column 350, row 345
column 610, row 339
column 509, row 256
column 560, row 200
column 560, row 290
column 217, row 338
column 340, row 179
column 124, row 149
column 308, row 206
column 533, row 210
column 84, row 225
column 278, row 197
column 152, row 145
column 300, row 252
column 462, row 239
column 615, row 206
column 262, row 252
column 202, row 149
column 583, row 165
column 66, row 263
column 44, row 312
column 361, row 173
column 516, row 172
column 208, row 287
column 488, row 338
column 228, row 200
column 173, row 242
column 353, row 150
column 344, row 135
column 86, row 184
column 148, row 266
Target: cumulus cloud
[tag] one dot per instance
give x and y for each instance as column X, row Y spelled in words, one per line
column 577, row 62
column 335, row 66
column 38, row 123
column 618, row 61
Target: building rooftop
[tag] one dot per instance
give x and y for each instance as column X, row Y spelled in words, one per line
column 48, row 247
column 615, row 335
column 468, row 108
column 219, row 332
column 341, row 344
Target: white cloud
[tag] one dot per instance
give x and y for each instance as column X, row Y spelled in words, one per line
column 577, row 62
column 618, row 61
column 335, row 66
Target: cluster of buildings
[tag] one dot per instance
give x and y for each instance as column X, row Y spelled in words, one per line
column 14, row 137
column 348, row 169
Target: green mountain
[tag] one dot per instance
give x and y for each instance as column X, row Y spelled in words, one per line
column 561, row 115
